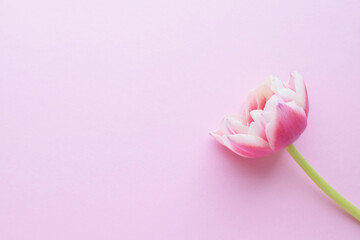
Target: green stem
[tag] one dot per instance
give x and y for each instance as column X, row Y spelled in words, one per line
column 322, row 184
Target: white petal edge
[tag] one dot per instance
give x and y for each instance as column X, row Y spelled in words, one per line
column 287, row 94
column 276, row 84
column 234, row 125
column 300, row 89
column 256, row 114
column 249, row 140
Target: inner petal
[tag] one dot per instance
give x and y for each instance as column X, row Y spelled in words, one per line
column 287, row 94
column 233, row 125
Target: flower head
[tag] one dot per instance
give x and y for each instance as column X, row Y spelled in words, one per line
column 273, row 117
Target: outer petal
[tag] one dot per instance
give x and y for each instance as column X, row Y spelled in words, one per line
column 254, row 146
column 230, row 125
column 288, row 122
column 224, row 140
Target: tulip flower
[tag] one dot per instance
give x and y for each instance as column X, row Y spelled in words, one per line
column 273, row 117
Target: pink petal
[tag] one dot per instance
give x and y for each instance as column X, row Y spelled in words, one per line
column 289, row 122
column 254, row 146
column 224, row 140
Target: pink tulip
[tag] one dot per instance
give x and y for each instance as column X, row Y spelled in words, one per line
column 274, row 116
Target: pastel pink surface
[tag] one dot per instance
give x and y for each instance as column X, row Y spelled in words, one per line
column 105, row 109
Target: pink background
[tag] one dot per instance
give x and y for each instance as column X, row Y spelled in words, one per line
column 105, row 109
